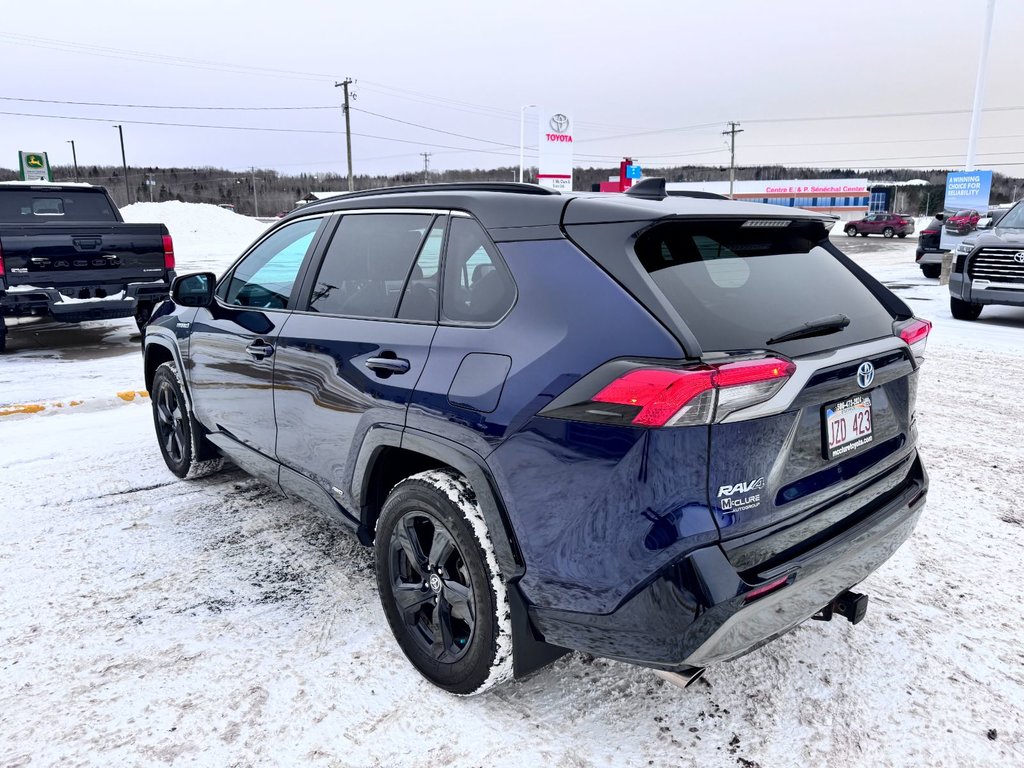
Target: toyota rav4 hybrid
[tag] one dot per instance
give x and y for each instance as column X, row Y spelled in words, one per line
column 659, row 430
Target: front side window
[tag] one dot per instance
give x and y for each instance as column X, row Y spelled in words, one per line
column 266, row 276
column 367, row 264
column 478, row 287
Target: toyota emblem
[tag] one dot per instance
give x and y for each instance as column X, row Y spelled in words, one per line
column 559, row 123
column 865, row 375
column 1019, row 257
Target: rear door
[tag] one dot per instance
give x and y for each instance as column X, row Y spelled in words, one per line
column 232, row 344
column 843, row 419
column 351, row 355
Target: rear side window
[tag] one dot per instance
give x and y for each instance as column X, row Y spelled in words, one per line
column 25, row 205
column 478, row 288
column 736, row 286
column 419, row 299
column 367, row 263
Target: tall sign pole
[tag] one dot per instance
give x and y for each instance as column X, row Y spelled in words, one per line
column 344, row 84
column 979, row 87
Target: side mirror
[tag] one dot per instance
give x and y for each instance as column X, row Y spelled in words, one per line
column 985, row 223
column 940, row 216
column 194, row 290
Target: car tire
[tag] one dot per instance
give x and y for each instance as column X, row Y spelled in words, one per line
column 888, row 232
column 143, row 311
column 3, row 335
column 851, row 231
column 931, row 270
column 440, row 585
column 186, row 451
column 964, row 310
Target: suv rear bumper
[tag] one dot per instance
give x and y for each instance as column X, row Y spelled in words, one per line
column 694, row 613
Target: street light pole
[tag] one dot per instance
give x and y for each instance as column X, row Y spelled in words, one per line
column 522, row 136
column 74, row 157
column 124, row 162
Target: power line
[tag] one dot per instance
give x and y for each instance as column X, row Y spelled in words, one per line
column 164, row 106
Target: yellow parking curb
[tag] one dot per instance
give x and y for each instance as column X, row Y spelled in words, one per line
column 24, row 409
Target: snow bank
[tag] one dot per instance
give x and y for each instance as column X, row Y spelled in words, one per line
column 206, row 237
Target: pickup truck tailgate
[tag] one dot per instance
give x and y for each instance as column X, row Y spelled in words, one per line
column 67, row 254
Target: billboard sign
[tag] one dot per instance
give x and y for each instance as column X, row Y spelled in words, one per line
column 554, row 142
column 34, row 166
column 967, row 194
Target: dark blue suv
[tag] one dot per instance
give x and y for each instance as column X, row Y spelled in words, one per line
column 660, row 430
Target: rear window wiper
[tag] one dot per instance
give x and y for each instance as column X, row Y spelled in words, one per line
column 819, row 327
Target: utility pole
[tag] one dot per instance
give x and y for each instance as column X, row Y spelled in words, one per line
column 74, row 157
column 731, row 133
column 426, row 165
column 255, row 202
column 124, row 162
column 348, row 131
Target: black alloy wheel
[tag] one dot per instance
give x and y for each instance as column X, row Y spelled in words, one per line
column 431, row 586
column 440, row 586
column 176, row 428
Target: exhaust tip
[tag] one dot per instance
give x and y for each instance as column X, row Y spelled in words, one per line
column 681, row 679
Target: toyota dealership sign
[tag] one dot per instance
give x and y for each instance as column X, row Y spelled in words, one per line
column 554, row 164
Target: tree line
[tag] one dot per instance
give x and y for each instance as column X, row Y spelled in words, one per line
column 277, row 193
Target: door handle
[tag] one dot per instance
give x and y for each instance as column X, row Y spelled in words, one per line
column 259, row 349
column 385, row 366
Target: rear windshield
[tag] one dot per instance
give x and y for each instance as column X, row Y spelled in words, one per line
column 737, row 287
column 30, row 205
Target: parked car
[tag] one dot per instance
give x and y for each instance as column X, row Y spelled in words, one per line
column 66, row 252
column 989, row 267
column 884, row 224
column 633, row 425
column 929, row 250
column 962, row 222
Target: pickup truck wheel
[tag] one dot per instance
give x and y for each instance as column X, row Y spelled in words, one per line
column 888, row 232
column 964, row 310
column 440, row 586
column 143, row 311
column 851, row 231
column 931, row 270
column 3, row 335
column 178, row 434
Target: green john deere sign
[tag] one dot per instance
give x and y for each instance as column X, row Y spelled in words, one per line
column 35, row 166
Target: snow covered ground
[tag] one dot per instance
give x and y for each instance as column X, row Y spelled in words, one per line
column 150, row 621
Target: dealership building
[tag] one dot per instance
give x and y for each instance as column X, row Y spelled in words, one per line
column 848, row 198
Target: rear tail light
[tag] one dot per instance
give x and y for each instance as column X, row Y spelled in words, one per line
column 675, row 397
column 930, row 232
column 915, row 333
column 764, row 589
column 168, row 252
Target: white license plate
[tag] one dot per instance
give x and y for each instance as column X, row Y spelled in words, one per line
column 847, row 426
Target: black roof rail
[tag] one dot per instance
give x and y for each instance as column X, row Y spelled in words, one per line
column 648, row 189
column 512, row 187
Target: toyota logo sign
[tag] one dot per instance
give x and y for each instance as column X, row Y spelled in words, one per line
column 1019, row 257
column 865, row 375
column 559, row 123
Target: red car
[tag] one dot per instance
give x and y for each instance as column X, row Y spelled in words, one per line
column 962, row 222
column 884, row 224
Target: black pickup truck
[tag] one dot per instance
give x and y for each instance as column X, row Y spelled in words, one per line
column 66, row 252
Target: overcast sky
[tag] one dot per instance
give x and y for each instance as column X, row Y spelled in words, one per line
column 654, row 80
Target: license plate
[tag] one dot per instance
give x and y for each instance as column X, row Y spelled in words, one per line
column 847, row 426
